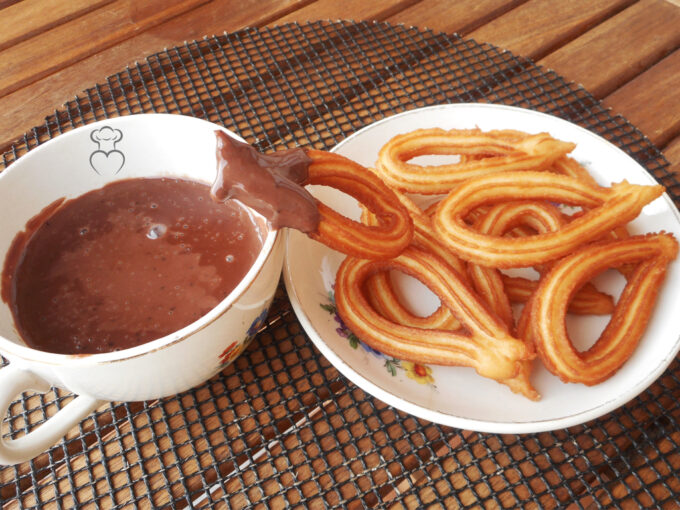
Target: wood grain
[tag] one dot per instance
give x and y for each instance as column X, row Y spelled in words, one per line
column 651, row 101
column 28, row 106
column 536, row 28
column 672, row 153
column 35, row 58
column 32, row 17
column 460, row 16
column 41, row 468
column 618, row 49
column 166, row 455
column 626, row 52
column 333, row 10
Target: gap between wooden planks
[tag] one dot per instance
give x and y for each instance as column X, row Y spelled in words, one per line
column 495, row 17
column 27, row 61
column 173, row 464
column 29, row 18
column 27, row 106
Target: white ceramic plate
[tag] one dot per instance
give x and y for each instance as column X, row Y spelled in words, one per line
column 458, row 396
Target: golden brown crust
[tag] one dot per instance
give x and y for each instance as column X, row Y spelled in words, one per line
column 496, row 216
column 394, row 228
column 486, row 153
column 381, row 295
column 608, row 208
column 379, row 289
column 488, row 346
column 651, row 253
column 587, row 300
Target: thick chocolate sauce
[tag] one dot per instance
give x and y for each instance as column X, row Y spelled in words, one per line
column 126, row 264
column 271, row 184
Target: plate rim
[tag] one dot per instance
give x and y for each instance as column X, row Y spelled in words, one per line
column 438, row 416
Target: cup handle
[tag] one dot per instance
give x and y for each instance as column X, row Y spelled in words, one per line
column 14, row 381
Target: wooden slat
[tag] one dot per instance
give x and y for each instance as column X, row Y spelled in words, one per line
column 651, row 101
column 27, row 107
column 115, row 436
column 31, row 17
column 23, row 474
column 332, row 9
column 615, row 51
column 460, row 16
column 35, row 58
column 49, row 489
column 132, row 452
column 568, row 30
column 672, row 153
column 537, row 27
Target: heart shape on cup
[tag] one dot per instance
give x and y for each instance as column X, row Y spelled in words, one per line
column 107, row 163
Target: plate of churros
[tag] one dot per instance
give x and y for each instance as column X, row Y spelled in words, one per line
column 489, row 268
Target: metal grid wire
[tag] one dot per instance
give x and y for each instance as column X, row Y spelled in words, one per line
column 281, row 427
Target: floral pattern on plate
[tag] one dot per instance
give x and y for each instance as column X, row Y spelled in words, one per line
column 421, row 374
column 462, row 398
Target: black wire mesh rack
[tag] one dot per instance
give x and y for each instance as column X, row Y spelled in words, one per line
column 281, row 427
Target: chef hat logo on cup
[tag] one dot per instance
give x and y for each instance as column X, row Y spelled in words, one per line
column 155, row 145
column 107, row 160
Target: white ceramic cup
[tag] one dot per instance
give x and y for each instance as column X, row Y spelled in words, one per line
column 87, row 158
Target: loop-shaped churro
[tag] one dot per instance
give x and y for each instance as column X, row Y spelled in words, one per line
column 587, row 300
column 500, row 290
column 488, row 346
column 484, row 153
column 652, row 253
column 381, row 295
column 379, row 289
column 394, row 229
column 572, row 168
column 541, row 217
column 608, row 208
column 499, row 213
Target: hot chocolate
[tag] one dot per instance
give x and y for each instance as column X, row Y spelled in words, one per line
column 271, row 184
column 126, row 264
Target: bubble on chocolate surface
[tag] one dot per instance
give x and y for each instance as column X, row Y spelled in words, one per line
column 184, row 265
column 157, row 231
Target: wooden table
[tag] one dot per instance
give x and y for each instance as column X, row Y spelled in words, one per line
column 624, row 52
